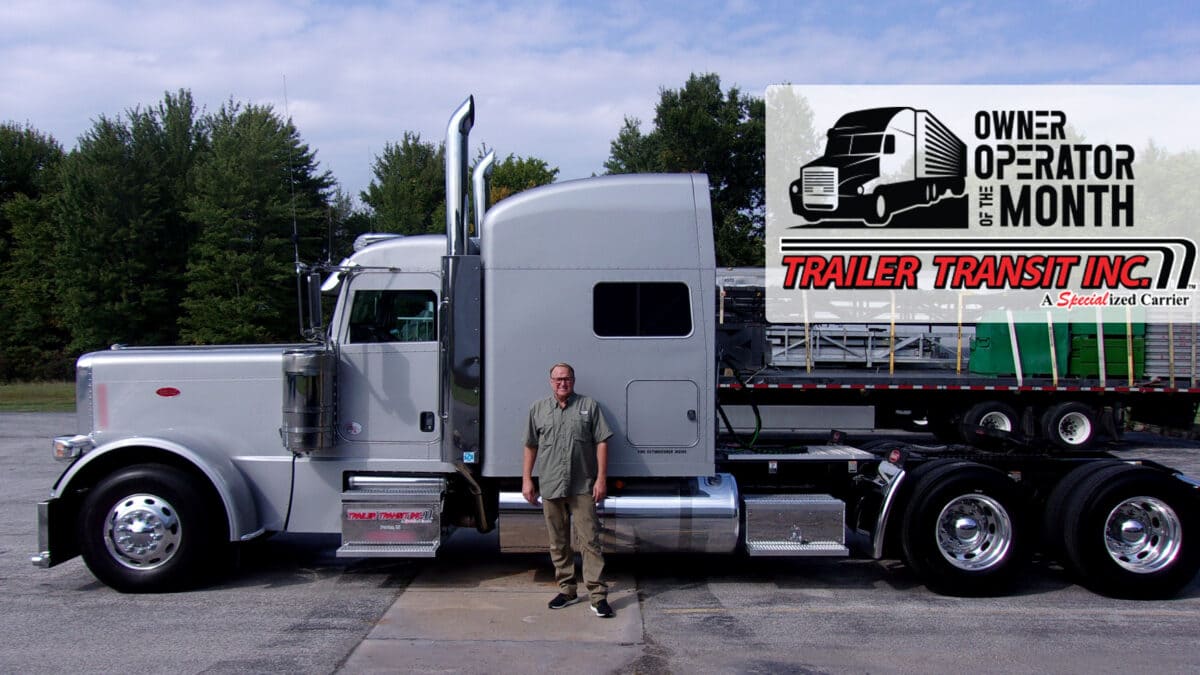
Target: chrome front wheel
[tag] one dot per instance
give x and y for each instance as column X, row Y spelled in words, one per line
column 152, row 527
column 142, row 531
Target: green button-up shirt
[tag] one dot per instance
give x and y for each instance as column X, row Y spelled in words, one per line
column 565, row 439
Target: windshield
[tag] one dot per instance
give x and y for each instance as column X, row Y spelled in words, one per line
column 853, row 144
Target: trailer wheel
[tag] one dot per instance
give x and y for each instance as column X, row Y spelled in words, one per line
column 964, row 530
column 1128, row 533
column 145, row 529
column 1070, row 426
column 989, row 415
column 1054, row 515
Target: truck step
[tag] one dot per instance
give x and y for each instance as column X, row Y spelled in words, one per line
column 392, row 516
column 791, row 548
column 426, row 550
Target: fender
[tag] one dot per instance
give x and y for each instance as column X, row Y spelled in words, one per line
column 208, row 457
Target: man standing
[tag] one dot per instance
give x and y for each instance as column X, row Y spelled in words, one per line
column 566, row 440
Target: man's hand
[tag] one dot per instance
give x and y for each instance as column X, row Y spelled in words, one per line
column 529, row 492
column 600, row 490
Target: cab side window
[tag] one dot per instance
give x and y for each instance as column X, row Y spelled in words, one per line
column 641, row 309
column 393, row 316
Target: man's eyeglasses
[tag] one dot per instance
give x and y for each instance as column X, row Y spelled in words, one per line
column 559, row 380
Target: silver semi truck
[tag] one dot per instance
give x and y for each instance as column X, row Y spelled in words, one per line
column 402, row 420
column 878, row 162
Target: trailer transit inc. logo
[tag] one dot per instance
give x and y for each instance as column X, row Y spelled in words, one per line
column 942, row 204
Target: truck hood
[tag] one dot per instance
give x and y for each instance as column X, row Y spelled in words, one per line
column 140, row 389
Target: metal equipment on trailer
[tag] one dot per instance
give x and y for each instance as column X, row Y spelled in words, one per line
column 1056, row 384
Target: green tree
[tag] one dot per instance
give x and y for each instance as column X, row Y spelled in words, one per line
column 123, row 245
column 515, row 174
column 27, row 157
column 699, row 128
column 257, row 182
column 33, row 338
column 32, row 342
column 408, row 193
column 345, row 222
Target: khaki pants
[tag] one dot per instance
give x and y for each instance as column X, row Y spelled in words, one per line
column 559, row 514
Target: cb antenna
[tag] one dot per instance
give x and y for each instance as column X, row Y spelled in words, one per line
column 291, row 178
column 308, row 303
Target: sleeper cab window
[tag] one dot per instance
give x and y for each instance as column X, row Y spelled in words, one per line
column 393, row 316
column 641, row 309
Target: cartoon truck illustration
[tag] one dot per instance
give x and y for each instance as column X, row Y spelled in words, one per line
column 880, row 161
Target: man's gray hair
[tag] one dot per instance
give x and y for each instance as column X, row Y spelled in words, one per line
column 563, row 365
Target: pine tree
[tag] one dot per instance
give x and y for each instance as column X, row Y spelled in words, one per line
column 700, row 129
column 257, row 182
column 408, row 193
column 124, row 242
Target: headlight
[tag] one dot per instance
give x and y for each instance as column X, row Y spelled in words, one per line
column 71, row 448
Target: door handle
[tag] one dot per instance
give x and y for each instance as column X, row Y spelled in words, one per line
column 427, row 421
column 692, row 415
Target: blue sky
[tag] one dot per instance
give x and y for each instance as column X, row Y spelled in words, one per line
column 551, row 79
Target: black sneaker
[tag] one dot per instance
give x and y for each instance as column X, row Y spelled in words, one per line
column 603, row 610
column 563, row 600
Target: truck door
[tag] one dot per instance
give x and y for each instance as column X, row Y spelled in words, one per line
column 388, row 361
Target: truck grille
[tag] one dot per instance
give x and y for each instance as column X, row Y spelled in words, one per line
column 820, row 188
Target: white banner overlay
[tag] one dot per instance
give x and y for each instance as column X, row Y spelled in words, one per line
column 946, row 204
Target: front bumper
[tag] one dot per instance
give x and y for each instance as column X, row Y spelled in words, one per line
column 55, row 544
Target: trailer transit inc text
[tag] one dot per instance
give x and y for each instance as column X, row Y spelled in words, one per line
column 957, row 271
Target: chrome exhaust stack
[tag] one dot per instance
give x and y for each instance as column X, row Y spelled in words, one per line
column 481, row 186
column 457, row 203
column 460, row 317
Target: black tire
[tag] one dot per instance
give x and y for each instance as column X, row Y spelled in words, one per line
column 1055, row 513
column 989, row 415
column 171, row 535
column 912, row 478
column 878, row 211
column 965, row 530
column 1129, row 533
column 1070, row 426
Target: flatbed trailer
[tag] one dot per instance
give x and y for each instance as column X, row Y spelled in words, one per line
column 921, row 378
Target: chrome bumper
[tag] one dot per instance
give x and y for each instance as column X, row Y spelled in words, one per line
column 42, row 557
column 56, row 532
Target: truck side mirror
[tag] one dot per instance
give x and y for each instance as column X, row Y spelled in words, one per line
column 889, row 145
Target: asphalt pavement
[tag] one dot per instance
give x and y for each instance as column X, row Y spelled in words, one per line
column 293, row 607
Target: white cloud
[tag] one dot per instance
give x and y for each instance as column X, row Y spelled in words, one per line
column 550, row 79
